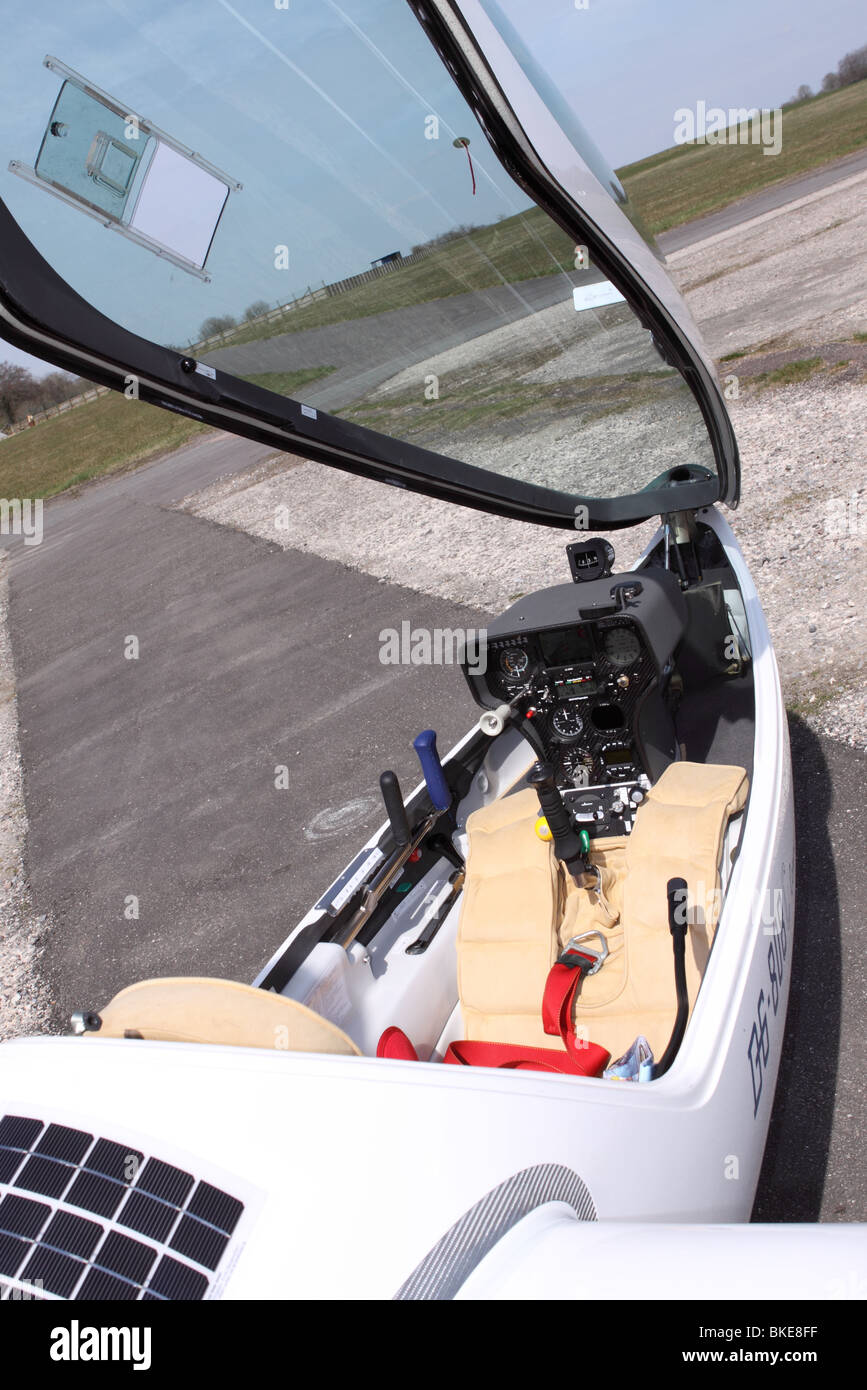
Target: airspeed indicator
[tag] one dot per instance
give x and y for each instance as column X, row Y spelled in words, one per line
column 566, row 722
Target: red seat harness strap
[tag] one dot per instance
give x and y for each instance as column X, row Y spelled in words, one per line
column 563, row 982
column 579, row 1059
column 588, row 1062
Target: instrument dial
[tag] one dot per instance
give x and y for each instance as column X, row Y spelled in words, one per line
column 621, row 646
column 513, row 662
column 576, row 766
column 566, row 722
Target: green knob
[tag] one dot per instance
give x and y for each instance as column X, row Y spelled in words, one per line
column 584, row 841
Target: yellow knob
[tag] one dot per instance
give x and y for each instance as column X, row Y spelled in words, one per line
column 543, row 829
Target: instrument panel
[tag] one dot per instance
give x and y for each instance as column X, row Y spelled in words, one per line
column 582, row 686
column 583, row 670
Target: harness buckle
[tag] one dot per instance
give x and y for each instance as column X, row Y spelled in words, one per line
column 596, row 887
column 584, row 953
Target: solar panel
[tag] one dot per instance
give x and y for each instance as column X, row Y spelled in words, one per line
column 202, row 1243
column 138, row 1208
column 23, row 1217
column 147, row 1216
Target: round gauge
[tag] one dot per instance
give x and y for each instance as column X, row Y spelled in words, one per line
column 566, row 721
column 577, row 765
column 622, row 647
column 514, row 662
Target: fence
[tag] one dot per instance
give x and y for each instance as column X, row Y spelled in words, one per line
column 352, row 282
column 60, row 409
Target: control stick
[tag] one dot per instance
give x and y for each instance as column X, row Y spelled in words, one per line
column 568, row 846
column 438, row 789
column 393, row 798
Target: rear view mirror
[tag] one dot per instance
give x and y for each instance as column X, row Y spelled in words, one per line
column 102, row 158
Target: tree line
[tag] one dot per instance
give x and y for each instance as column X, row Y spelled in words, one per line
column 852, row 67
column 224, row 323
column 23, row 394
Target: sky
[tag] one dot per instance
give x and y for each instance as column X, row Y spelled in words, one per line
column 637, row 61
column 319, row 109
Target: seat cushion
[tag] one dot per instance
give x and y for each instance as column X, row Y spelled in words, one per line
column 219, row 1011
column 515, row 902
column 520, row 908
column 678, row 833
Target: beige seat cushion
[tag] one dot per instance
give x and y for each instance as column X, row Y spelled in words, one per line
column 520, row 908
column 516, row 907
column 678, row 833
column 219, row 1011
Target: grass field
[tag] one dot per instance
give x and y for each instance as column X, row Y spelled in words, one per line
column 788, row 375
column 689, row 181
column 285, row 383
column 492, row 401
column 105, row 436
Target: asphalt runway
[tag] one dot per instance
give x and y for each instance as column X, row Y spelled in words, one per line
column 155, row 777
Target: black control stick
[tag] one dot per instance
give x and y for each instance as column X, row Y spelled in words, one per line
column 567, row 845
column 395, row 809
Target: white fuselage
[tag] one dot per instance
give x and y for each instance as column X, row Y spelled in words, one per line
column 353, row 1168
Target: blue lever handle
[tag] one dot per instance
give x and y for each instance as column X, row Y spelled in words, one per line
column 438, row 788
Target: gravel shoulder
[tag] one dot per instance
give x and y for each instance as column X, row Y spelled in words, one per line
column 790, row 278
column 24, row 1005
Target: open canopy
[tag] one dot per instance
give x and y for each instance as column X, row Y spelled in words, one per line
column 425, row 272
